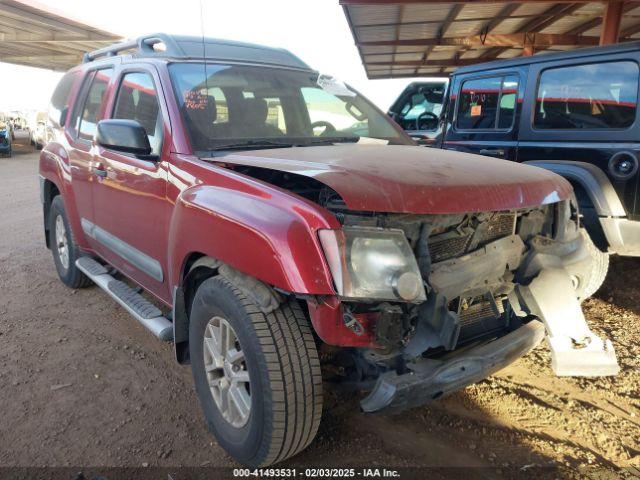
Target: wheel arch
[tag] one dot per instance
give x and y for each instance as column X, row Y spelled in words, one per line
column 592, row 179
column 48, row 191
column 197, row 268
column 594, row 192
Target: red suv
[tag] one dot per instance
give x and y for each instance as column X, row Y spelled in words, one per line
column 272, row 218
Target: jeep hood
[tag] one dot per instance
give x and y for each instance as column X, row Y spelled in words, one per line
column 410, row 179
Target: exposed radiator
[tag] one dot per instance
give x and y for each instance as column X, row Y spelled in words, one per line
column 454, row 244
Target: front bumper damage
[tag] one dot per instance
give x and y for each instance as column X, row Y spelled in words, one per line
column 431, row 379
column 575, row 349
column 545, row 295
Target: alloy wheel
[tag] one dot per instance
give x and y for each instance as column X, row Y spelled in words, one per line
column 227, row 373
column 61, row 242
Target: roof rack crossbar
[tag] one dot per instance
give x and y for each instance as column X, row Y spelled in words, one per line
column 191, row 47
column 144, row 45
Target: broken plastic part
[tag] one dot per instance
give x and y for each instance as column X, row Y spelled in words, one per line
column 575, row 349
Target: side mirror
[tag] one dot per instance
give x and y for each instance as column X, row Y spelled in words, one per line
column 126, row 136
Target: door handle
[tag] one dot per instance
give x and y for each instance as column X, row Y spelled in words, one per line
column 492, row 151
column 100, row 171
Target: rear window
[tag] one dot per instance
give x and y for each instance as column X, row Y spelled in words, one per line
column 93, row 105
column 60, row 97
column 487, row 103
column 595, row 96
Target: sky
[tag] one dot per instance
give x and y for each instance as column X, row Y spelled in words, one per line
column 314, row 30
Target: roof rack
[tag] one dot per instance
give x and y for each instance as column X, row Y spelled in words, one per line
column 193, row 48
column 146, row 45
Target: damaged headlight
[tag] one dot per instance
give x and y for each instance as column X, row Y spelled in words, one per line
column 372, row 263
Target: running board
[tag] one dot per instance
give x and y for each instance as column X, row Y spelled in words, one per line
column 142, row 310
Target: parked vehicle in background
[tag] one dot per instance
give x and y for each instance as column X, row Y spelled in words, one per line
column 419, row 108
column 272, row 212
column 574, row 113
column 6, row 137
column 38, row 129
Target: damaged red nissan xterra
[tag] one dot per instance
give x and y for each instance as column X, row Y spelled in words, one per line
column 264, row 217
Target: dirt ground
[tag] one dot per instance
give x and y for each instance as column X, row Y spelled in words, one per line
column 82, row 384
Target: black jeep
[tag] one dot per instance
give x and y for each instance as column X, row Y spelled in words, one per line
column 574, row 113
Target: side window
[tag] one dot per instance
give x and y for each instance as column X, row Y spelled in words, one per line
column 93, row 106
column 335, row 115
column 595, row 96
column 487, row 103
column 138, row 100
column 508, row 102
column 60, row 97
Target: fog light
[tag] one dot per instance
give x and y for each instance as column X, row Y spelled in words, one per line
column 407, row 286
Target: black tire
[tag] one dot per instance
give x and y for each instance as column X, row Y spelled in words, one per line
column 71, row 276
column 284, row 375
column 598, row 272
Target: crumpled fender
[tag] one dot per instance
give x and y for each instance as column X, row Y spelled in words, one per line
column 266, row 233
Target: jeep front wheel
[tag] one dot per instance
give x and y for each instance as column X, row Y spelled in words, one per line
column 257, row 375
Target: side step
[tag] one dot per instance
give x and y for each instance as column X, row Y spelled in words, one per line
column 144, row 311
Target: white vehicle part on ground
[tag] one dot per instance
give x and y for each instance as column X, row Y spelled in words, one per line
column 575, row 349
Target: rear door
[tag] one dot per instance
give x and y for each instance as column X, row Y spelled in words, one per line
column 131, row 207
column 88, row 110
column 483, row 112
column 585, row 109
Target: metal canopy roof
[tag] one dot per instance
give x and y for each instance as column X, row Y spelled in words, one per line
column 409, row 38
column 37, row 36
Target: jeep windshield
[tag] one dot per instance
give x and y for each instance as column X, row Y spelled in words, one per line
column 231, row 107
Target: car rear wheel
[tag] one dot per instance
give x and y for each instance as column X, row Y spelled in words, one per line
column 257, row 375
column 63, row 247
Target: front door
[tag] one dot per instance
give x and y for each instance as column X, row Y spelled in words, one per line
column 131, row 207
column 482, row 118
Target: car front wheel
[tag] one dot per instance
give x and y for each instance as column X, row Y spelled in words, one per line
column 257, row 375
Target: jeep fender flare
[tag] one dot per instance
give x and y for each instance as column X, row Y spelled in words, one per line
column 596, row 184
column 616, row 233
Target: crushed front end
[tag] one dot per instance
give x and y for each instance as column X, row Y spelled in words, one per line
column 432, row 303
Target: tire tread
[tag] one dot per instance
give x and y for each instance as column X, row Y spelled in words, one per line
column 295, row 379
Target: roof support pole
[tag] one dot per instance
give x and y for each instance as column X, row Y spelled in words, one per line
column 611, row 22
column 529, row 48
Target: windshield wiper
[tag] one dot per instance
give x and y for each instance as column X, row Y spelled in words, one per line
column 328, row 141
column 250, row 144
column 257, row 144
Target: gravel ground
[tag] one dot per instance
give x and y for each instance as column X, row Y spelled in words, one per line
column 82, row 384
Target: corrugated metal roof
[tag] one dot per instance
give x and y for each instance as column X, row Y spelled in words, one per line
column 412, row 38
column 38, row 36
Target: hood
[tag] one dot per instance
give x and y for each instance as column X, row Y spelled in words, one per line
column 410, row 179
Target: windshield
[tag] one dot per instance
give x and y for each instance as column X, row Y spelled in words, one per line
column 422, row 108
column 242, row 105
